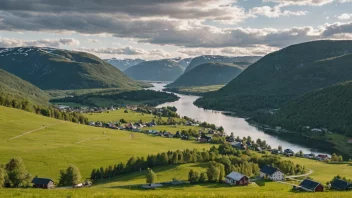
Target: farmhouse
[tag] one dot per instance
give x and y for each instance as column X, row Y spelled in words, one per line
column 43, row 183
column 339, row 184
column 310, row 185
column 271, row 173
column 322, row 157
column 237, row 179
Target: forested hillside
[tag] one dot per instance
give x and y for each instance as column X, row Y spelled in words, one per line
column 50, row 68
column 15, row 87
column 329, row 108
column 209, row 74
column 284, row 75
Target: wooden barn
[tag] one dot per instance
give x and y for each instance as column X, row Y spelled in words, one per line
column 310, row 185
column 43, row 183
column 339, row 184
column 237, row 179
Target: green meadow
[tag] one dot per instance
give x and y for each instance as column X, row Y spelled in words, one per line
column 48, row 145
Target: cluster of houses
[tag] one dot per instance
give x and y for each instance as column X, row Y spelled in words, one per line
column 81, row 110
column 274, row 174
column 47, row 183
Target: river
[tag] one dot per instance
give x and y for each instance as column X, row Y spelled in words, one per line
column 238, row 126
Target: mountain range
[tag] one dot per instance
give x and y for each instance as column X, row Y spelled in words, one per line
column 50, row 68
column 284, row 75
column 209, row 74
column 123, row 64
column 156, row 70
column 219, row 59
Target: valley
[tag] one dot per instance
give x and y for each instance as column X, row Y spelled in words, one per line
column 116, row 133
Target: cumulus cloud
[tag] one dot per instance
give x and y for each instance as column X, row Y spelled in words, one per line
column 126, row 51
column 303, row 2
column 275, row 12
column 345, row 16
column 10, row 42
column 258, row 50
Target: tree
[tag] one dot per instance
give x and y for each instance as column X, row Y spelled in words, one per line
column 17, row 173
column 213, row 173
column 151, row 177
column 71, row 176
column 280, row 148
column 203, row 178
column 3, row 177
column 193, row 176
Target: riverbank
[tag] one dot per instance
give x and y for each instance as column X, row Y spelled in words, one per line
column 236, row 125
column 330, row 142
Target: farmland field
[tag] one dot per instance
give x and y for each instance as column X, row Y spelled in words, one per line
column 48, row 145
column 54, row 144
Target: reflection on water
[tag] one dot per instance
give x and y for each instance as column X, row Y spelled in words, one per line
column 238, row 126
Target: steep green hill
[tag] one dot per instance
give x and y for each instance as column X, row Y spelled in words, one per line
column 209, row 74
column 15, row 87
column 49, row 68
column 219, row 59
column 157, row 70
column 284, row 75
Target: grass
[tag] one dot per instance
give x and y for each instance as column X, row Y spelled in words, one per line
column 324, row 172
column 59, row 144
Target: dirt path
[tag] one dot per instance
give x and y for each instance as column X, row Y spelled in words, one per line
column 28, row 132
column 303, row 175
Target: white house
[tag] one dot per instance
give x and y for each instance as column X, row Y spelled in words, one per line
column 271, row 173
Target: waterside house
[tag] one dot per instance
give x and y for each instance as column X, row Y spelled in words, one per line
column 269, row 172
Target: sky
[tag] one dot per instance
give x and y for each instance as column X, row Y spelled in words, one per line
column 158, row 29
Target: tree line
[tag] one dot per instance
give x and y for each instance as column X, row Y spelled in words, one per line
column 7, row 101
column 231, row 159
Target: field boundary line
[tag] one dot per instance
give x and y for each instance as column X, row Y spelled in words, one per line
column 28, row 132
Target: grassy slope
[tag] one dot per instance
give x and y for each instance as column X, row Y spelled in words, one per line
column 18, row 88
column 159, row 70
column 48, row 150
column 62, row 69
column 208, row 74
column 282, row 75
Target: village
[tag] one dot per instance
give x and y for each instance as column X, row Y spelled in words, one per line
column 213, row 135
